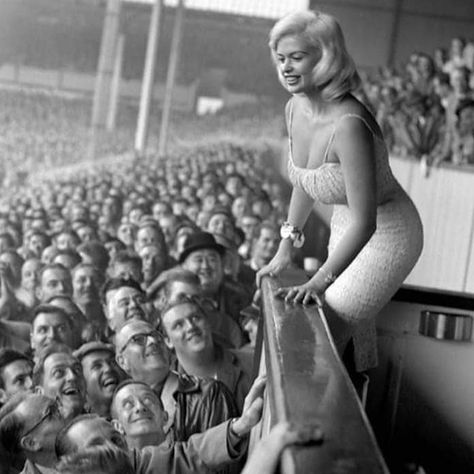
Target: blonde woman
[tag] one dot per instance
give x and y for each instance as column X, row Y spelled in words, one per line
column 337, row 156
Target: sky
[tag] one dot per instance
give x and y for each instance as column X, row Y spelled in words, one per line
column 258, row 8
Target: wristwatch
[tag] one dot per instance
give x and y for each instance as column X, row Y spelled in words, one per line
column 288, row 231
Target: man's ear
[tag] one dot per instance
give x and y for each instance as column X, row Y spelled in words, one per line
column 118, row 426
column 29, row 443
column 168, row 342
column 122, row 362
column 104, row 309
column 3, row 396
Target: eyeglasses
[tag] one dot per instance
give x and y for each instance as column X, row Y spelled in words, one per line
column 51, row 411
column 141, row 338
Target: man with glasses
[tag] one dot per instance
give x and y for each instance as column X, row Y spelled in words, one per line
column 29, row 424
column 123, row 300
column 193, row 404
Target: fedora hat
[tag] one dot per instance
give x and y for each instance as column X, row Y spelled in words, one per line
column 198, row 241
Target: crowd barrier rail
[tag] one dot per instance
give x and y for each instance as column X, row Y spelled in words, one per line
column 308, row 384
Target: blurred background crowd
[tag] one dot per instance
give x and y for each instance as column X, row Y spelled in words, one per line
column 425, row 110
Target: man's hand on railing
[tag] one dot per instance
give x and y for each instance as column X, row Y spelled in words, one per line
column 253, row 408
column 265, row 456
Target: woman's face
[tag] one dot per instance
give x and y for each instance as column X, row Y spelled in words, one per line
column 295, row 61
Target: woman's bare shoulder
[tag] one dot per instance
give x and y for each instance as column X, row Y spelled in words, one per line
column 353, row 107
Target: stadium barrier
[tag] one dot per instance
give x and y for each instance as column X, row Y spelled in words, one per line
column 308, row 384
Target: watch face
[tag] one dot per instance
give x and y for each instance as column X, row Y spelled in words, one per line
column 285, row 232
column 291, row 232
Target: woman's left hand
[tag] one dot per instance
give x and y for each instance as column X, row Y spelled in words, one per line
column 306, row 294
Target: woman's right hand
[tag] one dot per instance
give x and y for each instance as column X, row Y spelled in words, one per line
column 278, row 263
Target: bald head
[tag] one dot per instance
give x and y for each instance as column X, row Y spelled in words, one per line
column 142, row 353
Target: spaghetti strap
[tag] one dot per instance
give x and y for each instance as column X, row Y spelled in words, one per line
column 291, row 117
column 328, row 146
column 331, row 138
column 290, row 127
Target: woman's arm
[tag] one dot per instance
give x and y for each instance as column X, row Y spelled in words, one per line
column 354, row 148
column 299, row 209
column 298, row 212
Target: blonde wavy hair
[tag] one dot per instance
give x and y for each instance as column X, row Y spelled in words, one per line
column 335, row 73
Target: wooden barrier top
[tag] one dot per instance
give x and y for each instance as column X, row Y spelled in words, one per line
column 307, row 383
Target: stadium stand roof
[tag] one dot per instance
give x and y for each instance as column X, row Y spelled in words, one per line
column 255, row 8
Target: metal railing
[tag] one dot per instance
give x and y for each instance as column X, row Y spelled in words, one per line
column 307, row 383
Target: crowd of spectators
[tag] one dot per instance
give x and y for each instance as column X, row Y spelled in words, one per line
column 426, row 111
column 128, row 318
column 44, row 129
column 41, row 130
